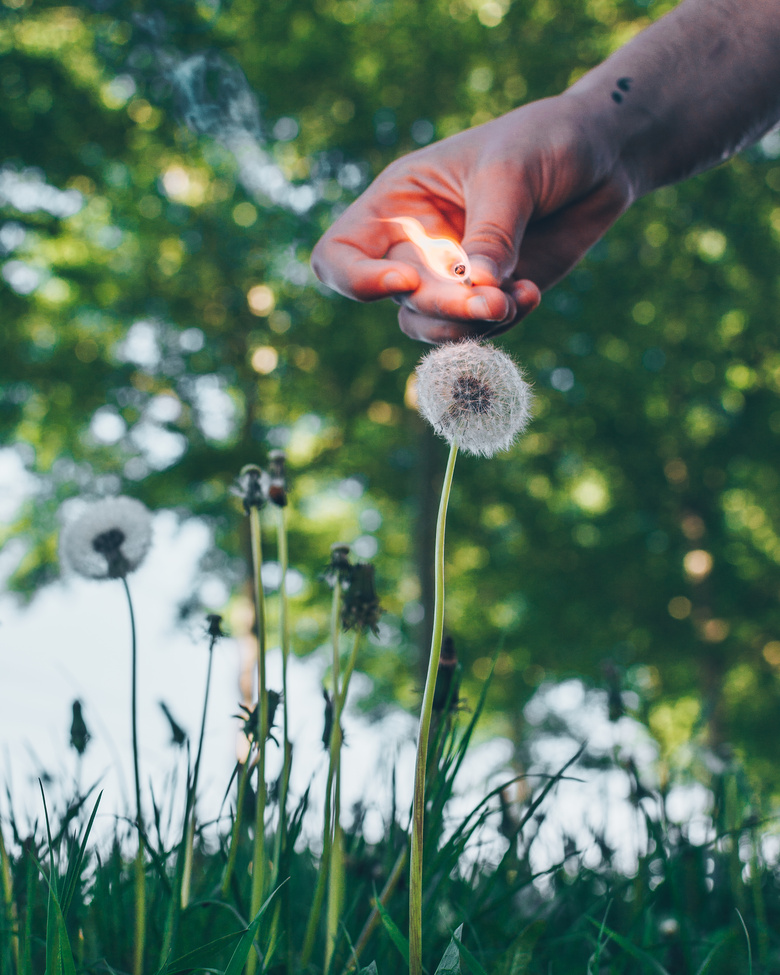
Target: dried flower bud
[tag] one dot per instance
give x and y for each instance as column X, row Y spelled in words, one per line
column 178, row 734
column 361, row 603
column 251, row 716
column 328, row 726
column 339, row 569
column 79, row 735
column 214, row 626
column 108, row 540
column 445, row 692
column 277, row 492
column 252, row 487
column 474, row 395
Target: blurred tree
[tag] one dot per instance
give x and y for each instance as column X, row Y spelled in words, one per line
column 167, row 171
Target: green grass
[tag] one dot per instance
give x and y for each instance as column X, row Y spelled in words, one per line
column 71, row 902
column 688, row 909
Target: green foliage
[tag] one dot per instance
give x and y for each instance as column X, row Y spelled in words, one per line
column 684, row 910
column 450, row 962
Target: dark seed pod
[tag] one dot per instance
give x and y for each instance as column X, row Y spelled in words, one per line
column 361, row 603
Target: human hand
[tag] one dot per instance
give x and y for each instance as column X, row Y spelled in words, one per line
column 527, row 195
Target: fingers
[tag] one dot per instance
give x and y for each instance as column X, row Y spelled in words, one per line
column 357, row 273
column 524, row 298
column 496, row 217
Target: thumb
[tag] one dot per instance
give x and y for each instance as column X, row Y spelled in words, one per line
column 496, row 217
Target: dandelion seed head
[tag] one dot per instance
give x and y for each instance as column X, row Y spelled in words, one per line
column 473, row 393
column 252, row 487
column 108, row 539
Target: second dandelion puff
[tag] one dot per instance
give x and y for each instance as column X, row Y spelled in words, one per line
column 473, row 394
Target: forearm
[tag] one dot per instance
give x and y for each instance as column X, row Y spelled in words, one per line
column 689, row 91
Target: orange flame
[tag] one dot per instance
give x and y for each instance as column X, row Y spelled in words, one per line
column 443, row 256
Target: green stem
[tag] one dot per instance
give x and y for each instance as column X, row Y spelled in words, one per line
column 8, row 901
column 258, row 860
column 322, row 874
column 140, row 871
column 284, row 614
column 280, row 851
column 30, row 875
column 235, row 833
column 336, row 876
column 418, row 807
column 189, row 816
column 348, row 670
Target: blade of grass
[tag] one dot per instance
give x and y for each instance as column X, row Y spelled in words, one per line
column 450, row 961
column 243, row 948
column 59, row 955
column 74, row 867
column 715, row 948
column 198, row 957
column 645, row 959
column 595, row 958
column 747, row 938
column 517, row 957
column 394, row 932
column 11, row 919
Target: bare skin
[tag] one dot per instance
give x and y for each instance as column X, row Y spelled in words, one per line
column 530, row 192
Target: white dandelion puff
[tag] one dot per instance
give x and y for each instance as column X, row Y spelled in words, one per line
column 108, row 539
column 473, row 395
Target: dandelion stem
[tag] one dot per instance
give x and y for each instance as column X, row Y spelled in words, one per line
column 348, row 669
column 258, row 861
column 193, row 790
column 284, row 615
column 418, row 806
column 140, row 871
column 327, row 834
column 336, row 877
column 336, row 874
column 284, row 628
column 235, row 833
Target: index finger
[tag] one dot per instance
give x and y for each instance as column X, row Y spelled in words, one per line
column 358, row 268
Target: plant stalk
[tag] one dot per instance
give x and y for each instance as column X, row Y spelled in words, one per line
column 8, row 901
column 327, row 835
column 235, row 833
column 193, row 792
column 140, row 870
column 418, row 806
column 284, row 628
column 258, row 860
column 336, row 876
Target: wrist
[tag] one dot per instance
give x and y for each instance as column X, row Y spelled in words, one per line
column 621, row 132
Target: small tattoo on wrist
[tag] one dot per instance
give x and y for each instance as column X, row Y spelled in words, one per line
column 624, row 84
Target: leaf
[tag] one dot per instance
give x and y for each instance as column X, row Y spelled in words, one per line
column 198, row 957
column 240, row 955
column 391, row 927
column 518, row 955
column 450, row 962
column 647, row 960
column 715, row 948
column 74, row 868
column 371, row 970
column 59, row 955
